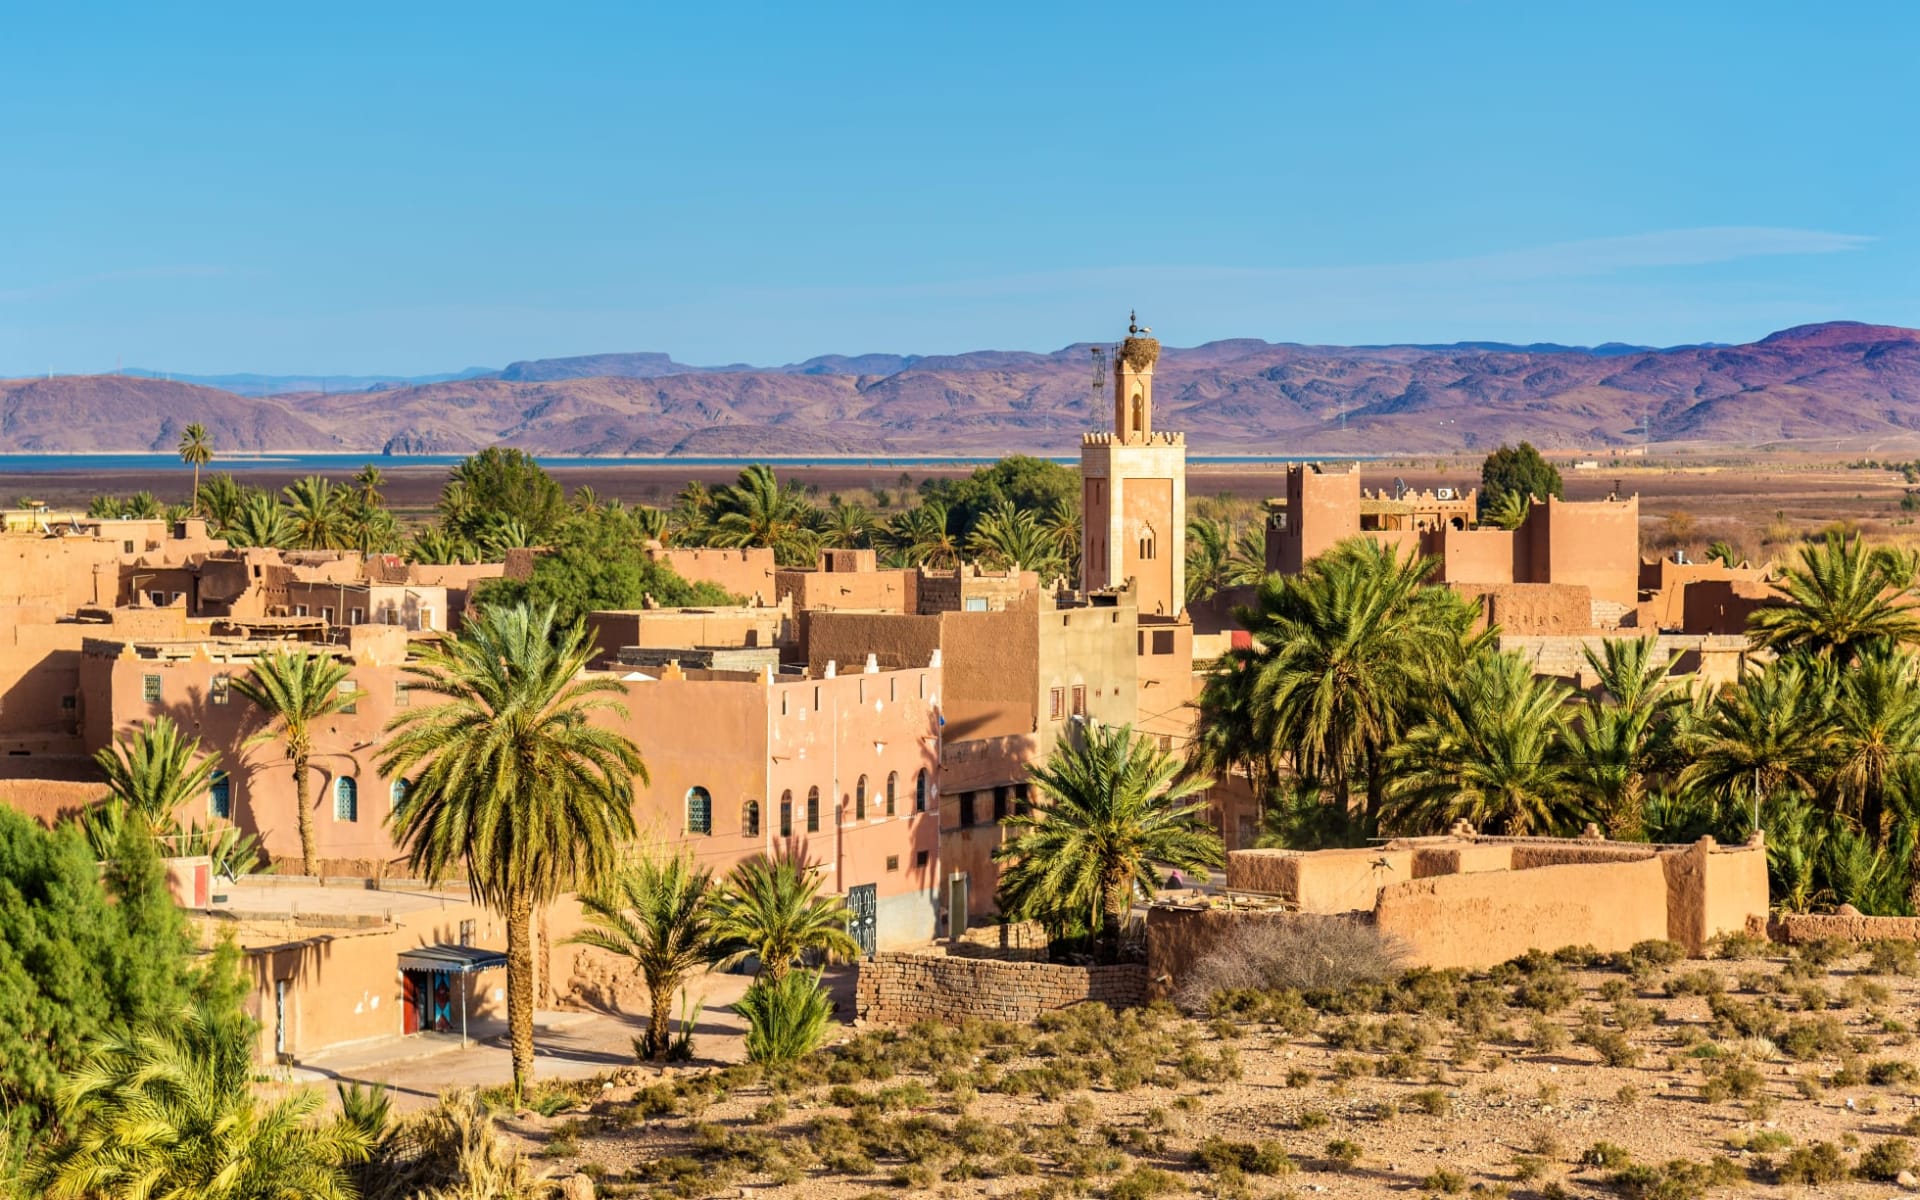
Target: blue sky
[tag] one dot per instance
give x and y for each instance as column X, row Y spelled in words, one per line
column 414, row 188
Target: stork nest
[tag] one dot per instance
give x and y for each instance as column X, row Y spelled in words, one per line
column 1140, row 353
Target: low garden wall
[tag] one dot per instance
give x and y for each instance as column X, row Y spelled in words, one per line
column 903, row 987
column 1850, row 927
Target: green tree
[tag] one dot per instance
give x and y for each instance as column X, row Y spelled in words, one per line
column 169, row 1110
column 1033, row 485
column 261, row 521
column 925, row 535
column 848, row 526
column 196, row 450
column 1764, row 735
column 772, row 909
column 1876, row 737
column 220, row 499
column 758, row 510
column 141, row 506
column 596, row 564
column 1217, row 560
column 1624, row 736
column 657, row 913
column 157, row 770
column 83, row 953
column 438, row 547
column 1349, row 649
column 1489, row 753
column 1110, row 810
column 1508, row 512
column 1008, row 537
column 294, row 689
column 787, row 1016
column 509, row 777
column 500, row 484
column 1518, row 471
column 317, row 508
column 1842, row 598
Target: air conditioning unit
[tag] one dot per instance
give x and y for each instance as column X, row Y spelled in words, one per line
column 1443, row 493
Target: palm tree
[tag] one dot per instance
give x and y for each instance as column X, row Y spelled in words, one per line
column 1349, row 648
column 169, row 1110
column 367, row 481
column 439, row 547
column 1489, row 753
column 505, row 534
column 318, row 511
column 759, row 510
column 925, row 534
column 657, row 913
column 1767, row 733
column 1111, row 810
column 1011, row 538
column 1209, row 558
column 1061, row 524
column 1625, row 735
column 220, row 499
column 1508, row 511
column 848, row 526
column 691, row 517
column 261, row 521
column 141, row 506
column 156, row 770
column 1722, row 552
column 1876, row 727
column 649, row 523
column 771, row 909
column 1841, row 598
column 294, row 689
column 196, row 450
column 508, row 777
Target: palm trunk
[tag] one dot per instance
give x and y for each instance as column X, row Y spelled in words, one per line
column 195, row 508
column 301, row 805
column 1872, row 811
column 520, row 991
column 659, row 1035
column 1114, row 917
column 546, row 958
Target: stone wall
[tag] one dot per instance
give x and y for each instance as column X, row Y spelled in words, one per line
column 1813, row 927
column 908, row 986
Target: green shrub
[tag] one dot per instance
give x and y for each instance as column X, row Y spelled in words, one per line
column 1312, row 1119
column 1264, row 1158
column 1445, row 1181
column 1607, row 1155
column 1887, row 1072
column 1888, row 957
column 1431, row 1101
column 1343, row 1153
column 1696, row 983
column 1678, row 1179
column 786, row 1018
column 1738, row 944
column 1813, row 1165
column 1614, row 1047
column 1659, row 952
column 1886, row 1159
column 1547, row 990
column 1143, row 1183
column 1814, row 1037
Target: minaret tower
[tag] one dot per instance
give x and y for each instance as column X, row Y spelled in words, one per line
column 1133, row 490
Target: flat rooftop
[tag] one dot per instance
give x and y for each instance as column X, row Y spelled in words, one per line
column 353, row 901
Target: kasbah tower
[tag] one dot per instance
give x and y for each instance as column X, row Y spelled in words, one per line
column 1133, row 490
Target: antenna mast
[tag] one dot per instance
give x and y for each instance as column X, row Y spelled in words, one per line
column 1099, row 381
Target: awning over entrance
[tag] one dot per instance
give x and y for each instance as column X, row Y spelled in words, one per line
column 461, row 960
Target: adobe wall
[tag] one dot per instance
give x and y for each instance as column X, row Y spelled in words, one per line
column 686, row 628
column 1721, row 606
column 906, row 987
column 1713, row 890
column 746, row 572
column 1479, row 557
column 1477, row 920
column 894, row 591
column 1167, row 682
column 1712, row 659
column 1797, row 928
column 50, row 801
column 1591, row 543
column 1320, row 881
column 1531, row 609
column 1179, row 936
column 951, row 591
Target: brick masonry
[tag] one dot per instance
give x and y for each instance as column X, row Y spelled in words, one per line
column 1813, row 927
column 903, row 987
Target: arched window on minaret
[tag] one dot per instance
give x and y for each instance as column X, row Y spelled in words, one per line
column 1146, row 542
column 1139, row 422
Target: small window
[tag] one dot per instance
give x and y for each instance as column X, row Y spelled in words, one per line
column 221, row 689
column 750, row 819
column 1000, row 797
column 159, row 599
column 355, row 616
column 976, row 604
column 179, row 596
column 966, row 809
column 893, row 781
column 1146, row 543
column 1166, row 742
column 69, row 703
column 699, row 811
column 813, row 810
column 920, row 791
column 299, row 610
column 326, row 614
column 786, row 814
column 920, row 858
column 400, row 693
column 1163, row 641
column 1021, row 804
column 220, row 797
column 1079, row 700
column 893, row 862
column 346, row 799
column 466, row 932
column 397, row 792
column 348, row 689
column 860, row 799
column 150, row 688
column 1057, row 703
column 126, row 547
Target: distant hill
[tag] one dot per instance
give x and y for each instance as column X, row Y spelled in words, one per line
column 275, row 385
column 1836, row 380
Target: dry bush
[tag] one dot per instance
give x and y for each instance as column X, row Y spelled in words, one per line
column 1306, row 954
column 452, row 1151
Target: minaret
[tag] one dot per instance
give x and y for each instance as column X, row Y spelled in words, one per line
column 1133, row 490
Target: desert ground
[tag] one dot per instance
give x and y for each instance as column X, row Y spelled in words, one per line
column 1759, row 1072
column 1757, row 502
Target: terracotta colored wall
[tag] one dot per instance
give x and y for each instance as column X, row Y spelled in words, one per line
column 893, row 591
column 1795, row 928
column 909, row 987
column 1532, row 609
column 684, row 628
column 50, row 801
column 1478, row 920
column 1323, row 881
column 1472, row 556
column 1147, row 507
column 1594, row 543
column 1461, row 859
column 1723, row 606
column 746, row 573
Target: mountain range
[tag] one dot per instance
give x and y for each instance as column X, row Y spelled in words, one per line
column 1839, row 380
